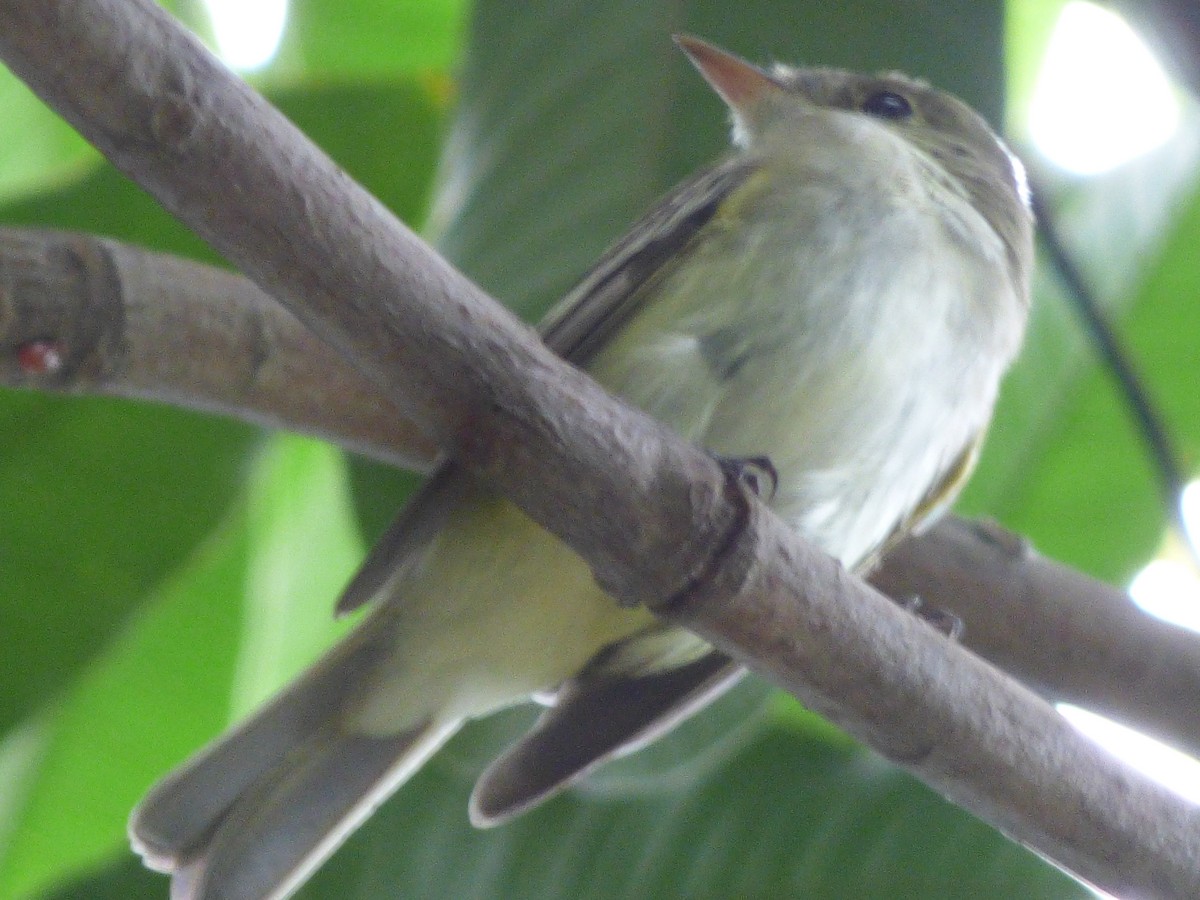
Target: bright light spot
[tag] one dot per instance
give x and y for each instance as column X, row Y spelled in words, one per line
column 1170, row 768
column 248, row 32
column 1101, row 99
column 1170, row 590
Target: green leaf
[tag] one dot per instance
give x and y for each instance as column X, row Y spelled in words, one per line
column 379, row 491
column 392, row 147
column 763, row 814
column 352, row 40
column 124, row 879
column 1064, row 464
column 304, row 546
column 1095, row 479
column 1029, row 25
column 37, row 149
column 1161, row 327
column 386, row 135
column 105, row 202
column 369, row 39
column 245, row 615
column 772, row 816
column 21, row 752
column 102, row 499
column 156, row 692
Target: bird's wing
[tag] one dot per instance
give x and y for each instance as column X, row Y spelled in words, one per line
column 575, row 329
column 605, row 299
column 592, row 720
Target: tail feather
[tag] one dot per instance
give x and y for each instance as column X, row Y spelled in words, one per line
column 254, row 814
column 594, row 718
column 277, row 833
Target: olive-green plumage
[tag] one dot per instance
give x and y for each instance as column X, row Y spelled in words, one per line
column 841, row 295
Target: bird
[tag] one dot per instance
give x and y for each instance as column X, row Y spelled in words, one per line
column 838, row 298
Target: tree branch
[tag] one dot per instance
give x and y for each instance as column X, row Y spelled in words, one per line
column 167, row 113
column 1072, row 638
column 130, row 323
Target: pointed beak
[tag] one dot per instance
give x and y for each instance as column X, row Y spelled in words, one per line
column 742, row 85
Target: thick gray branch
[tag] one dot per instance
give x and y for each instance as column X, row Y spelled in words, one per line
column 674, row 533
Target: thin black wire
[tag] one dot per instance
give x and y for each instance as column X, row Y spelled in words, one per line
column 1148, row 419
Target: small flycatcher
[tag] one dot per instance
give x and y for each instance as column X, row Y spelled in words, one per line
column 841, row 295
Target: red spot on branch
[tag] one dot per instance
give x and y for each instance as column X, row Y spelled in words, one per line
column 40, row 357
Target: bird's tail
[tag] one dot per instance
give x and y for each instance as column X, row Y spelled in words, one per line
column 254, row 814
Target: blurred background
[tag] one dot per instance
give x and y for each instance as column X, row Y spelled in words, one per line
column 161, row 572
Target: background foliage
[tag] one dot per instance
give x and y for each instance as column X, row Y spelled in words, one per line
column 163, row 571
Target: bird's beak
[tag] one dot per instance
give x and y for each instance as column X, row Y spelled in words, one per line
column 742, row 85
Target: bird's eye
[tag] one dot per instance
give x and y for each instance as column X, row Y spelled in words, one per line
column 887, row 105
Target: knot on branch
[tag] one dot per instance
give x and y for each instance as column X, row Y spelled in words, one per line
column 724, row 569
column 61, row 316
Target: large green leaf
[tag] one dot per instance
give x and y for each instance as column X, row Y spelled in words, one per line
column 351, row 41
column 101, row 500
column 247, row 613
column 1095, row 478
column 385, row 134
column 304, row 547
column 105, row 499
column 373, row 39
column 158, row 690
column 37, row 149
column 773, row 815
column 574, row 116
column 352, row 123
column 803, row 837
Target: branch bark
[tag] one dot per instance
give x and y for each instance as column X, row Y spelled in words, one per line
column 1071, row 638
column 475, row 379
column 130, row 323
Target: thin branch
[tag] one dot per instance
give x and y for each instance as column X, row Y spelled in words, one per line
column 126, row 322
column 163, row 110
column 132, row 323
column 1071, row 638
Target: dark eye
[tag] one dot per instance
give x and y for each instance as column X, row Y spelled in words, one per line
column 887, row 105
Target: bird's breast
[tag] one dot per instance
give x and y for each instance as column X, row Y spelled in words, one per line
column 845, row 335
